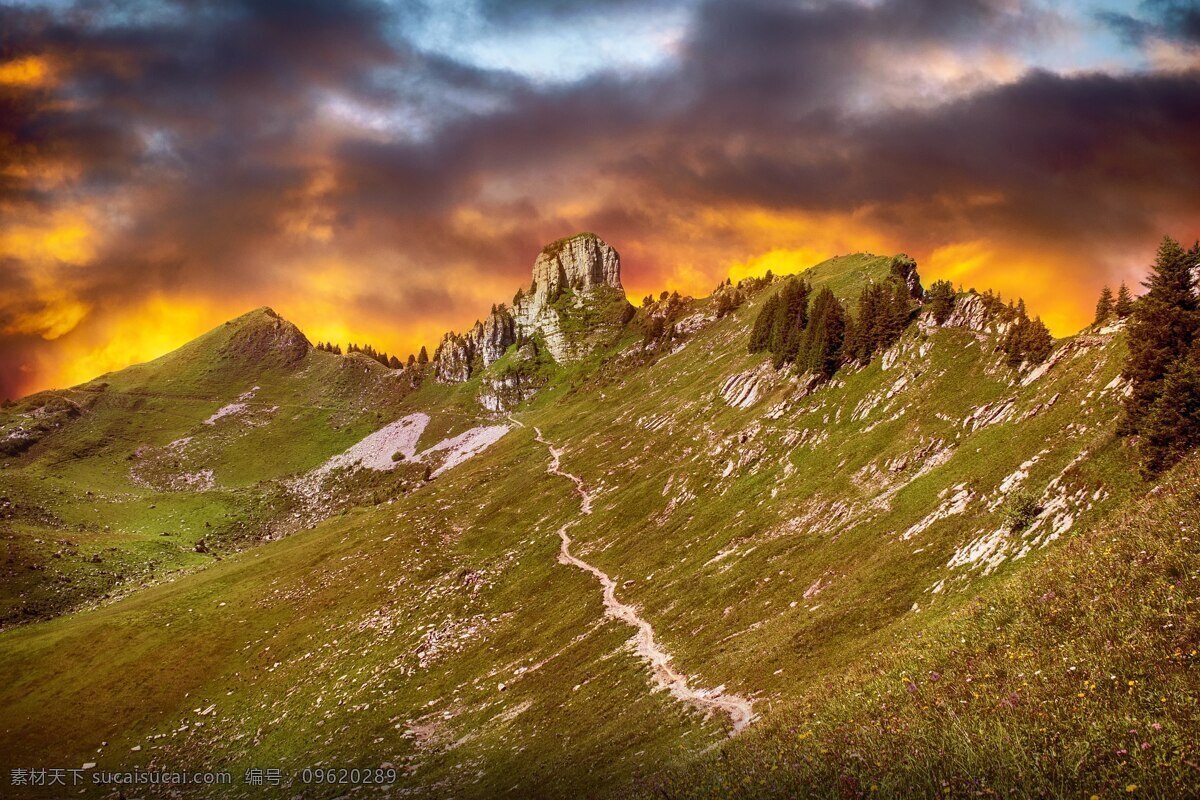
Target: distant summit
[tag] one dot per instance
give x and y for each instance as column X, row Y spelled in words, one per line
column 574, row 304
column 262, row 335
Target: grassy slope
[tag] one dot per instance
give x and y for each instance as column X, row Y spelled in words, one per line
column 98, row 485
column 381, row 636
column 1077, row 678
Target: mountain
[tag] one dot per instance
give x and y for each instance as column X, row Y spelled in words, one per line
column 574, row 305
column 592, row 550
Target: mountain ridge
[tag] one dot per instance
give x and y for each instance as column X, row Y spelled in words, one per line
column 769, row 527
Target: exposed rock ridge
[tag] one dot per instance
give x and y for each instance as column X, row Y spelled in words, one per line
column 265, row 337
column 574, row 303
column 459, row 355
column 972, row 312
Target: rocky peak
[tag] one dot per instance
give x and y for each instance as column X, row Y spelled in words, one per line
column 576, row 299
column 579, row 263
column 575, row 303
column 264, row 336
column 904, row 267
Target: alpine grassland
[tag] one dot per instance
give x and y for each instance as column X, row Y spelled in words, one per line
column 931, row 573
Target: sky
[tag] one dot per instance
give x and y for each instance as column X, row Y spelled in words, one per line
column 381, row 172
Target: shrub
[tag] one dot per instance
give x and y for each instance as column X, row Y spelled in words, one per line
column 1021, row 509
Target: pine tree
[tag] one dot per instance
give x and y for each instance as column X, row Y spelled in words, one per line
column 899, row 309
column 394, row 363
column 412, row 361
column 1164, row 326
column 882, row 316
column 423, row 356
column 1038, row 342
column 1027, row 340
column 760, row 331
column 1171, row 426
column 941, row 301
column 794, row 318
column 821, row 345
column 1124, row 305
column 1104, row 306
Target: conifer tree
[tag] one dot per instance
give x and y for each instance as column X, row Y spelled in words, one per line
column 760, row 331
column 394, row 363
column 423, row 356
column 1124, row 305
column 941, row 301
column 1104, row 306
column 791, row 322
column 412, row 361
column 1164, row 326
column 1171, row 426
column 820, row 346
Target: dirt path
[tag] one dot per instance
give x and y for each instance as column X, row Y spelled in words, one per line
column 738, row 709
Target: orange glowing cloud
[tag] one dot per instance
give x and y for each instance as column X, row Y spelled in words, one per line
column 150, row 329
column 1036, row 279
column 65, row 236
column 30, row 71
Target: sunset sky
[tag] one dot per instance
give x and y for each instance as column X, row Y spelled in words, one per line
column 383, row 171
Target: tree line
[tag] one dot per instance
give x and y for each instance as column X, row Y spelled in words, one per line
column 820, row 335
column 389, row 361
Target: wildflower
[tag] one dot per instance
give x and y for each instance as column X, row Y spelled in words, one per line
column 1131, row 787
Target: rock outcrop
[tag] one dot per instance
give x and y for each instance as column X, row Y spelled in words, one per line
column 499, row 332
column 576, row 300
column 574, row 304
column 458, row 356
column 905, row 268
column 974, row 313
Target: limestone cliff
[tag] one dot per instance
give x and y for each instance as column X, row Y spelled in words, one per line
column 574, row 304
column 973, row 312
column 576, row 300
column 458, row 356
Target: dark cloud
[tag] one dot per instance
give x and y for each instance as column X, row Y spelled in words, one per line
column 1169, row 19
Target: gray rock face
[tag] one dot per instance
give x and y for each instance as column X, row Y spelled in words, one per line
column 459, row 355
column 970, row 312
column 579, row 263
column 574, row 279
column 453, row 357
column 906, row 268
column 499, row 331
column 575, row 303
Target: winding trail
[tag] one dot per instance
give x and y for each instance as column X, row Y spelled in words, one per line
column 738, row 709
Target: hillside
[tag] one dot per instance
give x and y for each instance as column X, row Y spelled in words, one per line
column 596, row 557
column 114, row 483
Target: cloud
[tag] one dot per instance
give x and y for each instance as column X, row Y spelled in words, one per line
column 324, row 159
